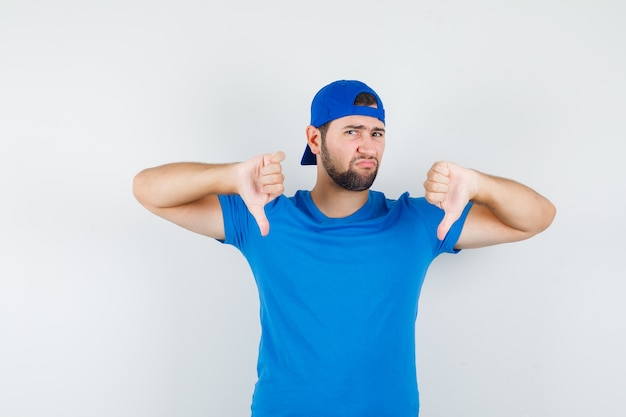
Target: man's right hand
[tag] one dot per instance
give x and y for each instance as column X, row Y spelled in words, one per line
column 262, row 181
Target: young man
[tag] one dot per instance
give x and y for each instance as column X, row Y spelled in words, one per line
column 339, row 268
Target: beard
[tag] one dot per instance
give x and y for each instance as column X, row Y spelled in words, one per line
column 350, row 179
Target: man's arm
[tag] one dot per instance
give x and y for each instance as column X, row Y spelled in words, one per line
column 503, row 210
column 186, row 193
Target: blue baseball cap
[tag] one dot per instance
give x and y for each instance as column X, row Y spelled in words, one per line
column 337, row 100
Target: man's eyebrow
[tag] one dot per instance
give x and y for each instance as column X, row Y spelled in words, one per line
column 363, row 127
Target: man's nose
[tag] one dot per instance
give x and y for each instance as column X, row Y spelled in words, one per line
column 367, row 146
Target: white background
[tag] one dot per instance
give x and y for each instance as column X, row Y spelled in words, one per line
column 107, row 310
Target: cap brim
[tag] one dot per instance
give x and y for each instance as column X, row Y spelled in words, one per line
column 309, row 157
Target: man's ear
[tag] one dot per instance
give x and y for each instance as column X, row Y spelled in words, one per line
column 314, row 139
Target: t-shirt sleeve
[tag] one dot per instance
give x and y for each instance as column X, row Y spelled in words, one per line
column 237, row 219
column 431, row 216
column 455, row 231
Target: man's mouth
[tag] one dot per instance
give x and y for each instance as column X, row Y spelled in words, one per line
column 366, row 163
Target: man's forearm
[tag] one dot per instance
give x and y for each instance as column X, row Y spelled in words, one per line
column 176, row 184
column 514, row 204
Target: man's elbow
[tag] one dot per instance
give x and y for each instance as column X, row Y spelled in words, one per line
column 545, row 218
column 139, row 189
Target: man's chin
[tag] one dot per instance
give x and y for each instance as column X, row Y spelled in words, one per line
column 358, row 182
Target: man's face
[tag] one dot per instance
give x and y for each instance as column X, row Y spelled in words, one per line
column 352, row 151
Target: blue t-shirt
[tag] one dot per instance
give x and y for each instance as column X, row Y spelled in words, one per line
column 338, row 300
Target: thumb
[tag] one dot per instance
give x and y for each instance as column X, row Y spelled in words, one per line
column 445, row 225
column 258, row 212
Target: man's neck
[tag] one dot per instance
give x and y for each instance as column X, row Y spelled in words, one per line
column 337, row 202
